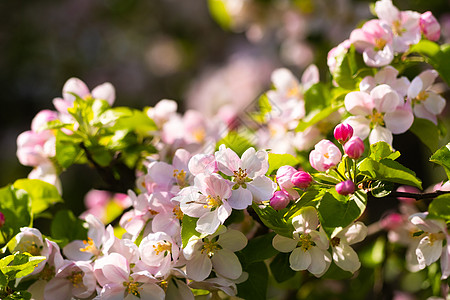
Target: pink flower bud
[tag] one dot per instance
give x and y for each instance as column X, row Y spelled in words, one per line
column 345, row 187
column 2, row 219
column 284, row 175
column 279, row 200
column 301, row 179
column 430, row 26
column 343, row 132
column 354, row 148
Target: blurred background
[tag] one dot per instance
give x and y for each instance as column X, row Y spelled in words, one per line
column 200, row 53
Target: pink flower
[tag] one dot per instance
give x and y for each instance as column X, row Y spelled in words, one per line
column 380, row 114
column 279, row 200
column 430, row 26
column 73, row 279
column 345, row 187
column 426, row 102
column 404, row 25
column 374, row 40
column 248, row 175
column 354, row 147
column 343, row 132
column 301, row 179
column 335, row 53
column 284, row 175
column 324, row 156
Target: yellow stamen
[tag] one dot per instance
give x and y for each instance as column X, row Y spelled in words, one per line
column 380, row 43
column 377, row 118
column 209, row 247
column 199, row 135
column 132, row 287
column 76, row 278
column 213, row 202
column 397, row 28
column 423, row 95
column 177, row 212
column 305, row 242
column 240, row 176
column 180, row 176
column 90, row 247
column 163, row 247
column 30, row 247
column 293, row 92
column 47, row 273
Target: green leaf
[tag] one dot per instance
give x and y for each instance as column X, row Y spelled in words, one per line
column 281, row 268
column 219, row 12
column 389, row 170
column 325, row 178
column 317, row 97
column 236, row 142
column 98, row 107
column 42, row 194
column 345, row 68
column 19, row 265
column 442, row 157
column 339, row 211
column 381, row 189
column 16, row 206
column 316, row 116
column 336, row 273
column 255, row 287
column 278, row 160
column 437, row 56
column 427, row 132
column 440, row 207
column 137, row 121
column 273, row 219
column 66, row 227
column 309, row 198
column 264, row 105
column 373, row 255
column 188, row 229
column 68, row 150
column 381, row 150
column 259, row 248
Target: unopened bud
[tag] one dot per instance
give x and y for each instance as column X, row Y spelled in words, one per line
column 343, row 132
column 430, row 26
column 2, row 219
column 279, row 200
column 345, row 187
column 301, row 179
column 284, row 175
column 354, row 148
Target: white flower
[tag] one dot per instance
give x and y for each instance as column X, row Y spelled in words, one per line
column 214, row 252
column 343, row 255
column 308, row 246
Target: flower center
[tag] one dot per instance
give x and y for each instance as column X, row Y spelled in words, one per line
column 90, row 247
column 209, row 247
column 305, row 242
column 240, row 177
column 180, row 176
column 213, row 202
column 335, row 241
column 47, row 273
column 30, row 247
column 132, row 287
column 164, row 246
column 199, row 135
column 293, row 91
column 435, row 237
column 376, row 118
column 177, row 212
column 380, row 43
column 397, row 28
column 422, row 96
column 76, row 278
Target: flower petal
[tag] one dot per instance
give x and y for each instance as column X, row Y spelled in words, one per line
column 199, row 267
column 232, row 240
column 284, row 244
column 346, row 258
column 226, row 264
column 380, row 133
column 400, row 120
column 299, row 260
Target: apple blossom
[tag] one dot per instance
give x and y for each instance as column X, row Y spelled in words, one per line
column 324, row 156
column 378, row 114
column 308, row 247
column 283, row 177
column 214, row 252
column 343, row 255
column 430, row 26
column 426, row 103
column 248, row 175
